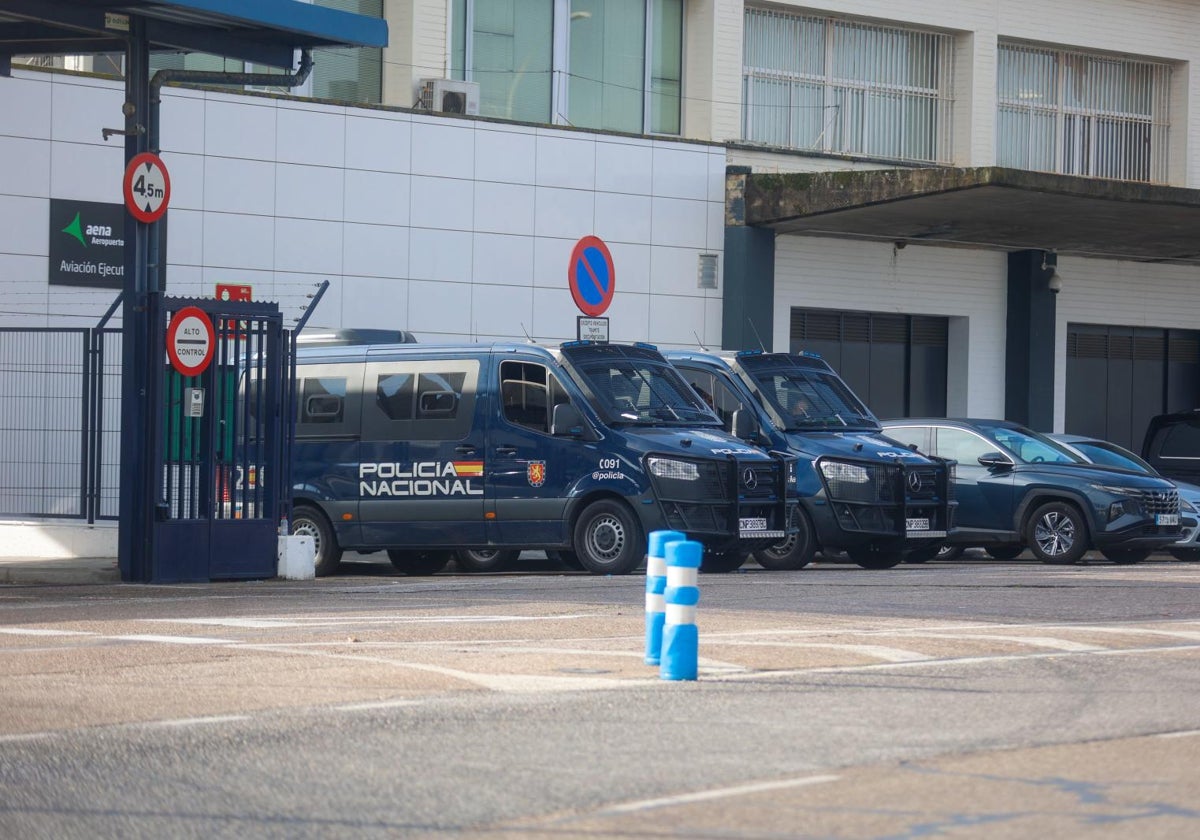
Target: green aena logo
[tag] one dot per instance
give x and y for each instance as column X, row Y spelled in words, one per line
column 78, row 230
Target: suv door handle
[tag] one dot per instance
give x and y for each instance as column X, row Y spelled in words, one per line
column 464, row 449
column 506, row 450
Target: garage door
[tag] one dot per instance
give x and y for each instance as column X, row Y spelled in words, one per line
column 896, row 363
column 1120, row 377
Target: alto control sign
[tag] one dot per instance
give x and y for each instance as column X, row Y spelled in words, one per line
column 190, row 341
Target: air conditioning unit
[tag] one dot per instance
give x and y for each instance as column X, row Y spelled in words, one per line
column 449, row 96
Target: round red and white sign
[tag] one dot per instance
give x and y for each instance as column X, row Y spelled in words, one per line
column 147, row 187
column 190, row 341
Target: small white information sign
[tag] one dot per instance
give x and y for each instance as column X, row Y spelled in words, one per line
column 592, row 329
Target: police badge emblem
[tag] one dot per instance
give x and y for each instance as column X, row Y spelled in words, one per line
column 536, row 473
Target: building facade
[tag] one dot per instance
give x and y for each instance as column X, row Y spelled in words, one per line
column 648, row 123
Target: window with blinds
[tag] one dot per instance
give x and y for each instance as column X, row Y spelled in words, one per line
column 1082, row 114
column 839, row 86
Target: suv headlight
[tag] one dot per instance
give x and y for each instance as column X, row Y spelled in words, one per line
column 837, row 471
column 1117, row 490
column 670, row 468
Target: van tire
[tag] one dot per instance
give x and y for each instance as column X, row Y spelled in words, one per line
column 308, row 521
column 1057, row 533
column 723, row 562
column 608, row 539
column 479, row 560
column 420, row 562
column 795, row 552
column 872, row 557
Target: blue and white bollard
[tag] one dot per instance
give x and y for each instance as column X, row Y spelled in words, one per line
column 656, row 584
column 681, row 642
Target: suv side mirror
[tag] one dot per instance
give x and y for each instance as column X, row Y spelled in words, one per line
column 994, row 461
column 567, row 421
column 742, row 425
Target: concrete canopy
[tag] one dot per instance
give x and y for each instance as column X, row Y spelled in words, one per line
column 259, row 31
column 988, row 207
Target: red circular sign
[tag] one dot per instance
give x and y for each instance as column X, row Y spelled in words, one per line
column 147, row 187
column 592, row 276
column 190, row 341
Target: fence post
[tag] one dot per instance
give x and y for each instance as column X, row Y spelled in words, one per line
column 680, row 644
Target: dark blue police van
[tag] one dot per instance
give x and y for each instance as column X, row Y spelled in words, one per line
column 422, row 450
column 860, row 491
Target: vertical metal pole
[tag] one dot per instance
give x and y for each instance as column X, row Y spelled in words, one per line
column 135, row 535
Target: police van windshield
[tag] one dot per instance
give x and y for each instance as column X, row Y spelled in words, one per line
column 811, row 399
column 643, row 391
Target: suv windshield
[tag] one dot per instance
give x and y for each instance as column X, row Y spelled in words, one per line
column 1029, row 446
column 637, row 389
column 812, row 399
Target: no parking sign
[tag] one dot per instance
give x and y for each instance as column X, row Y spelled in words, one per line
column 592, row 276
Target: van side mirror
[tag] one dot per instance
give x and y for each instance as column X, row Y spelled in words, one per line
column 742, row 425
column 567, row 421
column 994, row 461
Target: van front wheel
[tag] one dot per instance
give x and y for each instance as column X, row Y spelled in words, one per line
column 420, row 562
column 796, row 551
column 308, row 521
column 608, row 539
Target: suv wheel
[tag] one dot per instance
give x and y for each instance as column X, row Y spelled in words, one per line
column 1056, row 533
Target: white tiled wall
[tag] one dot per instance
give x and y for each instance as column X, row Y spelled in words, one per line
column 448, row 227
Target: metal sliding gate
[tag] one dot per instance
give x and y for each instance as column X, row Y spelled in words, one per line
column 221, row 447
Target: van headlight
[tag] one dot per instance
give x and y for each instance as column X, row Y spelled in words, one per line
column 838, row 471
column 670, row 468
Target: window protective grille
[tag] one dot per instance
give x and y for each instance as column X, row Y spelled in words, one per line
column 1082, row 114
column 839, row 86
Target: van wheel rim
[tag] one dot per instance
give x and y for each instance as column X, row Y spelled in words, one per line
column 1055, row 534
column 606, row 538
column 308, row 529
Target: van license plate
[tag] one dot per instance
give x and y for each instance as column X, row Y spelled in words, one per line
column 1167, row 519
column 756, row 523
column 916, row 524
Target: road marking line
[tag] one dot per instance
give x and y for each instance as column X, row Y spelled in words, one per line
column 967, row 660
column 33, row 631
column 888, row 654
column 716, row 793
column 173, row 640
column 1033, row 641
column 1191, row 733
column 198, row 721
column 382, row 704
column 315, row 622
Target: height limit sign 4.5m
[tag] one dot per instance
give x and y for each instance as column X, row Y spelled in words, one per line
column 147, row 187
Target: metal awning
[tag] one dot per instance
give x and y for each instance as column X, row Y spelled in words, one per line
column 259, row 31
column 988, row 207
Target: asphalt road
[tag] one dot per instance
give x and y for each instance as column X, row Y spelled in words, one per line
column 969, row 699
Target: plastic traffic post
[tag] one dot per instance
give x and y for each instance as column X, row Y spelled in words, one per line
column 656, row 584
column 681, row 643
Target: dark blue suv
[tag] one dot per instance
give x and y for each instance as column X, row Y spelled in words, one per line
column 1019, row 489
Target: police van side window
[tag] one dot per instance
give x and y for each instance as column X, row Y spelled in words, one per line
column 420, row 399
column 327, row 400
column 528, row 394
column 715, row 393
column 322, row 400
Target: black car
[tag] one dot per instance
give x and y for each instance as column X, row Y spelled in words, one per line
column 1019, row 489
column 1172, row 445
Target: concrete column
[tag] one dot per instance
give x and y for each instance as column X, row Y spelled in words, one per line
column 1029, row 344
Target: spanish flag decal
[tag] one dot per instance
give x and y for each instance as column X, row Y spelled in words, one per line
column 468, row 469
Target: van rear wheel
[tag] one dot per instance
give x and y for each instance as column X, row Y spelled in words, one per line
column 484, row 559
column 308, row 521
column 608, row 539
column 420, row 562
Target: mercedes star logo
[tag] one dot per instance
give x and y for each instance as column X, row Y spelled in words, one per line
column 749, row 478
column 914, row 482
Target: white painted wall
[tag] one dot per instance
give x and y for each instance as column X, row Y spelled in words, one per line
column 452, row 228
column 969, row 286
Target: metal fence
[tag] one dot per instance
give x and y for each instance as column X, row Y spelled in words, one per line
column 60, row 422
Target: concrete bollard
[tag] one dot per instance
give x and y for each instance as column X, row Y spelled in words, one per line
column 681, row 642
column 656, row 584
